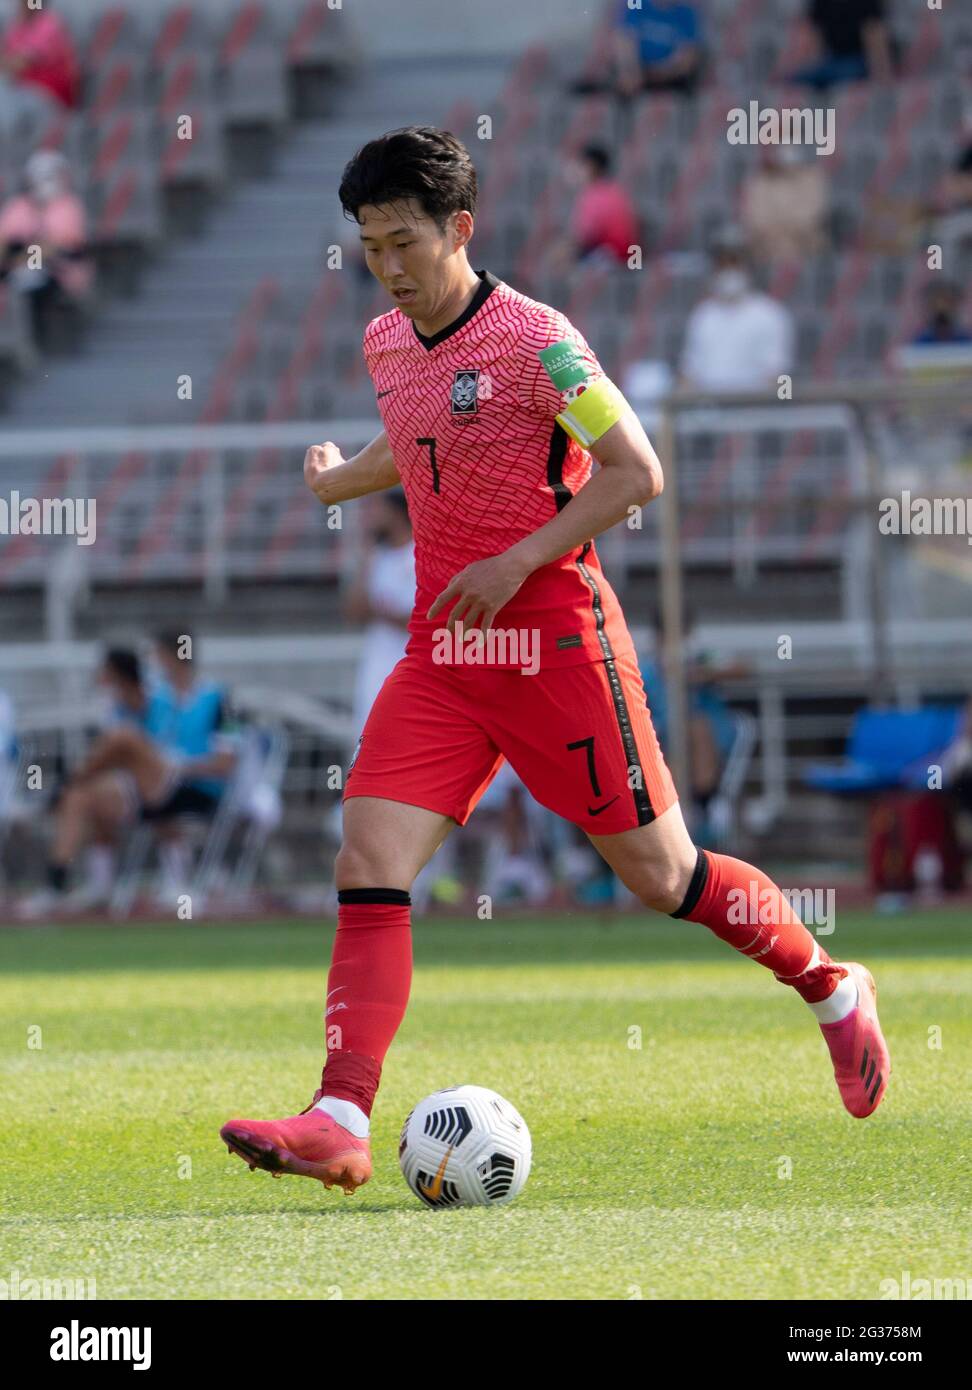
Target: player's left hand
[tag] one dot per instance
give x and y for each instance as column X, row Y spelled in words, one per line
column 478, row 592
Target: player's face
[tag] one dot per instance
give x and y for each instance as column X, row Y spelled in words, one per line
column 409, row 254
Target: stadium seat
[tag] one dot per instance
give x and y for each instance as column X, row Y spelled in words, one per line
column 888, row 748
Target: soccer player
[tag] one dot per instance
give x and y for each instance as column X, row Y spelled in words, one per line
column 493, row 406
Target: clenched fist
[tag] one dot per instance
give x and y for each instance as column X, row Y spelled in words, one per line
column 317, row 461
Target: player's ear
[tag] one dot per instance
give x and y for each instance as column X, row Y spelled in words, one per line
column 462, row 228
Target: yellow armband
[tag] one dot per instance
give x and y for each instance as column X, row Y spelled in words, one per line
column 589, row 408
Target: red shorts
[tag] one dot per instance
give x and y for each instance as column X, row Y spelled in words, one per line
column 580, row 738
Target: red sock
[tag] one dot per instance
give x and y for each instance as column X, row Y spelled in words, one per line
column 746, row 909
column 367, row 990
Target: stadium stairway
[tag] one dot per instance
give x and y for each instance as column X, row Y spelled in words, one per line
column 275, row 229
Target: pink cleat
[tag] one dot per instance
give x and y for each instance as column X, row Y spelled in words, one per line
column 310, row 1145
column 862, row 1063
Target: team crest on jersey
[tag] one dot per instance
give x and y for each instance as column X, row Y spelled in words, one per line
column 465, row 392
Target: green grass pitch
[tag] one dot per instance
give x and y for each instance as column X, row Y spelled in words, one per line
column 712, row 1161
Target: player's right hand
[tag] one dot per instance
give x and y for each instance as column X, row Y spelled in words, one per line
column 318, row 459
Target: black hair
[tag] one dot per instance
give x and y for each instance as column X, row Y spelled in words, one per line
column 419, row 162
column 123, row 663
column 598, row 156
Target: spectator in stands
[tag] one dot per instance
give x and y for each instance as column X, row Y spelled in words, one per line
column 942, row 306
column 604, row 223
column 711, row 729
column 511, row 820
column 957, row 764
column 951, row 202
column 658, row 47
column 8, row 733
column 9, row 749
column 167, row 754
column 381, row 597
column 37, row 49
column 43, row 252
column 737, row 338
column 95, row 812
column 784, row 205
column 851, row 42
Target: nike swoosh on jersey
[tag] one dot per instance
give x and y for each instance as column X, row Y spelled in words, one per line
column 596, row 810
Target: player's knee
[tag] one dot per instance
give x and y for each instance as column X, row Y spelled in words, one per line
column 662, row 885
column 360, row 865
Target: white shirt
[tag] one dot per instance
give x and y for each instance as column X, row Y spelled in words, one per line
column 737, row 344
column 391, row 583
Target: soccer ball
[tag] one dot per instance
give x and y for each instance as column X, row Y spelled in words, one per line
column 465, row 1147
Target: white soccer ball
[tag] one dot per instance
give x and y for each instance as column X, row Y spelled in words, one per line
column 465, row 1147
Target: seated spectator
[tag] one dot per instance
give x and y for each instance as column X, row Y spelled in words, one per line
column 604, row 222
column 951, row 201
column 49, row 216
column 165, row 755
column 954, row 192
column 37, row 49
column 92, row 815
column 942, row 324
column 957, row 764
column 9, row 754
column 737, row 338
column 784, row 205
column 711, row 730
column 851, row 41
column 381, row 597
column 657, row 47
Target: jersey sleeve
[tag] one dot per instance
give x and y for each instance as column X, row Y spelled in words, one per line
column 561, row 379
column 537, row 384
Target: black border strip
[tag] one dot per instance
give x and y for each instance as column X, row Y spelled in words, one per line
column 555, row 467
column 697, row 882
column 642, row 801
column 398, row 896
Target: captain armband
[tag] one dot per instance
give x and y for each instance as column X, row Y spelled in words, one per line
column 588, row 408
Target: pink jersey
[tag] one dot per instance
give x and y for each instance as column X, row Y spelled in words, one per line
column 470, row 416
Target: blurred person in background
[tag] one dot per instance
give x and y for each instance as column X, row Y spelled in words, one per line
column 48, row 215
column 9, row 763
column 37, row 49
column 711, row 727
column 957, row 763
column 9, row 750
column 784, row 203
column 658, row 47
column 8, row 731
column 850, row 40
column 381, row 596
column 94, row 813
column 514, row 824
column 167, row 754
column 737, row 338
column 943, row 305
column 603, row 222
